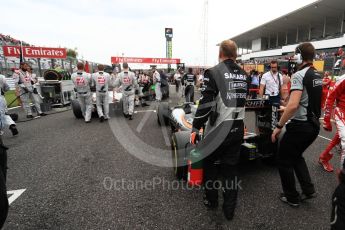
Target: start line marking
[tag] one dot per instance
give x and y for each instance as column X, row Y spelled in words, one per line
column 144, row 111
column 14, row 195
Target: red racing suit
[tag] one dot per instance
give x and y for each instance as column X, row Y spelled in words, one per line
column 337, row 96
column 325, row 87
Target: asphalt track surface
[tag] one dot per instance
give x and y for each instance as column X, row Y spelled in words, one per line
column 68, row 168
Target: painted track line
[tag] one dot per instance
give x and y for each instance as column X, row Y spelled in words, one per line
column 14, row 195
column 325, row 138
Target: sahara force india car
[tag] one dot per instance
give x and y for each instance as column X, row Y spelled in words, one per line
column 255, row 145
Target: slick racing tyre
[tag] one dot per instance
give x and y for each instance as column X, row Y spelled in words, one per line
column 163, row 114
column 76, row 109
column 117, row 108
column 180, row 141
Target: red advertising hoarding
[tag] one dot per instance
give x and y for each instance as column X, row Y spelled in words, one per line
column 35, row 52
column 115, row 60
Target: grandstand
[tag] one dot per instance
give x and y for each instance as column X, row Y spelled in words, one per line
column 322, row 23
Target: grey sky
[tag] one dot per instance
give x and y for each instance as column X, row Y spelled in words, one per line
column 104, row 28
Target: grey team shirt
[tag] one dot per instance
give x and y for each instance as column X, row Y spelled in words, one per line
column 297, row 84
column 101, row 79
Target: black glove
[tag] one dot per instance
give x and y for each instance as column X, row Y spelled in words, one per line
column 25, row 90
column 75, row 90
column 35, row 91
column 102, row 88
column 2, row 93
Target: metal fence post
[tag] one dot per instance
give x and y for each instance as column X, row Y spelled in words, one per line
column 70, row 65
column 5, row 60
column 39, row 66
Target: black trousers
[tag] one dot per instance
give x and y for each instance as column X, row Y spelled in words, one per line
column 338, row 207
column 189, row 93
column 275, row 100
column 177, row 83
column 298, row 137
column 227, row 154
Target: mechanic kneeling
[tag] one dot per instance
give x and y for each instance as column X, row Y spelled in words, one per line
column 222, row 104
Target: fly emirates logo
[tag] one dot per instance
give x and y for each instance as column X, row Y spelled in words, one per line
column 35, row 52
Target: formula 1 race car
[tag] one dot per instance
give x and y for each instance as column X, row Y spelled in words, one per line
column 115, row 106
column 255, row 145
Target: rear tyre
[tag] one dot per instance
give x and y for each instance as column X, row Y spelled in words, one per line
column 76, row 109
column 179, row 144
column 117, row 108
column 163, row 113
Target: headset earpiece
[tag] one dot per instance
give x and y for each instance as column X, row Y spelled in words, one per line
column 298, row 58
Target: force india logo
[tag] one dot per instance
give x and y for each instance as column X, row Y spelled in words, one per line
column 237, row 85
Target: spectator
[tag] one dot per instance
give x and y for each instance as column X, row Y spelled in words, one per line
column 177, row 80
column 254, row 84
column 285, row 86
column 271, row 83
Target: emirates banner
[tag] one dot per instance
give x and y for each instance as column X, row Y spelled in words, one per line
column 35, row 52
column 115, row 60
